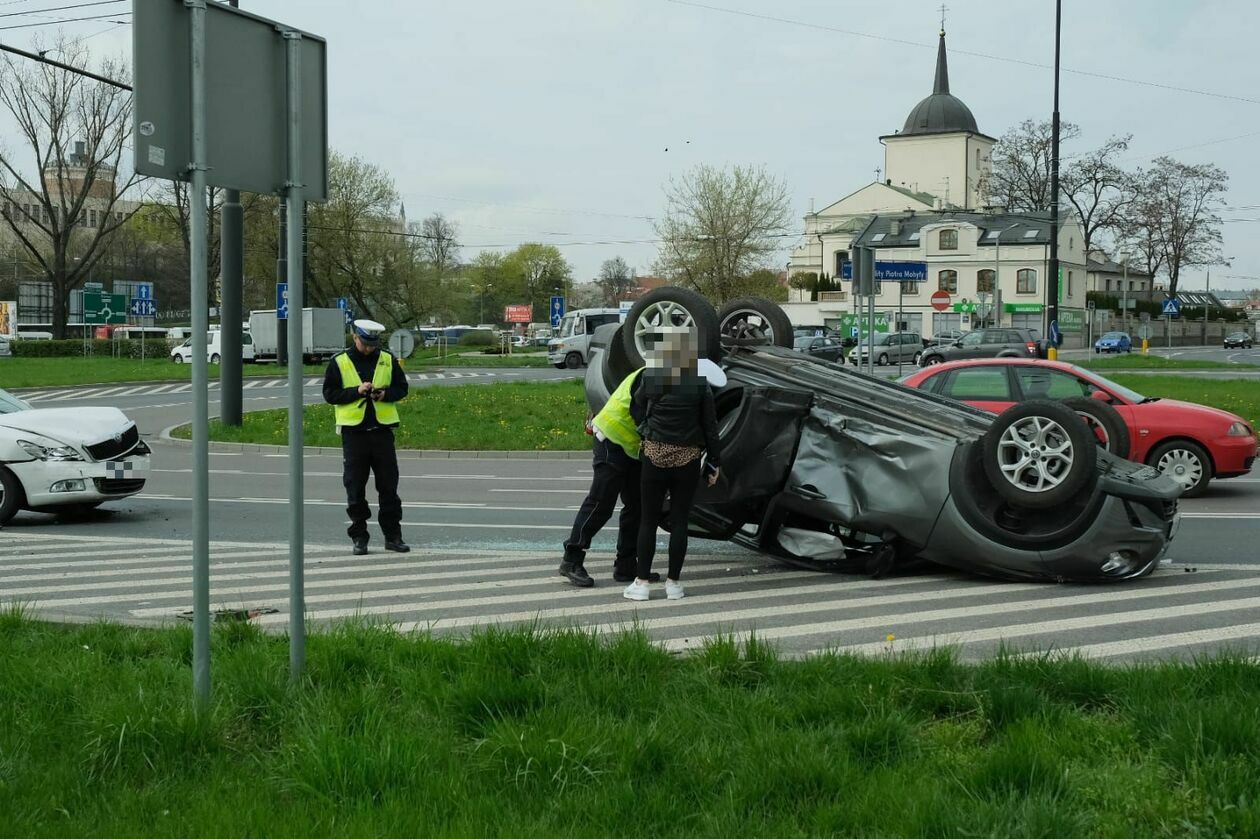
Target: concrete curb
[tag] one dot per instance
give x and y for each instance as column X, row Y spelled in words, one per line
column 167, row 436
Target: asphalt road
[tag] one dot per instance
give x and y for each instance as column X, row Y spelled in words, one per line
column 488, row 533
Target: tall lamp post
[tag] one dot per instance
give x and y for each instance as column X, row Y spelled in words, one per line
column 481, row 317
column 1052, row 283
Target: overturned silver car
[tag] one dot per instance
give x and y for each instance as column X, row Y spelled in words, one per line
column 827, row 468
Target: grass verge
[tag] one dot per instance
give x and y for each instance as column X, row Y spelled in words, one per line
column 505, row 416
column 557, row 733
column 62, row 372
column 455, row 358
column 1238, row 396
column 1137, row 361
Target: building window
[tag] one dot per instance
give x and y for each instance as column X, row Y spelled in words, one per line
column 91, row 218
column 948, row 240
column 1071, row 281
column 909, row 288
column 1026, row 281
column 1108, row 281
column 839, row 261
column 984, row 281
column 948, row 281
column 1130, row 285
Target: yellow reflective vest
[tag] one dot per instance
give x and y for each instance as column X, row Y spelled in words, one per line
column 353, row 413
column 614, row 420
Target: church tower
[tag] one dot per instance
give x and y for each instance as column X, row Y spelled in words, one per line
column 940, row 150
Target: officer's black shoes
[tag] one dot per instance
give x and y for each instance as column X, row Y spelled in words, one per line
column 576, row 574
column 621, row 577
column 360, row 547
column 398, row 546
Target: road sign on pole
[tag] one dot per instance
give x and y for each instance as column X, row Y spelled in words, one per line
column 101, row 309
column 282, row 301
column 940, row 300
column 143, row 307
column 557, row 311
column 1171, row 307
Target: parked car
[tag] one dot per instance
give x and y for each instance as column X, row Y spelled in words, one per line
column 66, row 459
column 828, row 349
column 827, row 469
column 1237, row 340
column 1114, row 342
column 995, row 342
column 214, row 349
column 1192, row 444
column 889, row 348
column 942, row 339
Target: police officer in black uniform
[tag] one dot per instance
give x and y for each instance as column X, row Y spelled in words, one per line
column 363, row 384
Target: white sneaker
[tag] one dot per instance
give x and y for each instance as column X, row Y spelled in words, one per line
column 673, row 590
column 636, row 591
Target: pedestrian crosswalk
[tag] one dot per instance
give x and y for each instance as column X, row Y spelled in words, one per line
column 1174, row 612
column 252, row 385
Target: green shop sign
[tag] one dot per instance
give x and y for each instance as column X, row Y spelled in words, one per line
column 1023, row 308
column 1071, row 320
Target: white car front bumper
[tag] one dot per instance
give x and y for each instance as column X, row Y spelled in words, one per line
column 80, row 482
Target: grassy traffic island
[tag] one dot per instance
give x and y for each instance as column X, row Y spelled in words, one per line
column 1137, row 361
column 505, row 416
column 547, row 416
column 558, row 733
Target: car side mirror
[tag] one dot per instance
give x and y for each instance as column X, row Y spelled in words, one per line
column 958, row 343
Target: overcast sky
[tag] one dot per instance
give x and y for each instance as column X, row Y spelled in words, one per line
column 550, row 120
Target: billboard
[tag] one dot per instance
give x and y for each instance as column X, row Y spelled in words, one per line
column 8, row 318
column 518, row 314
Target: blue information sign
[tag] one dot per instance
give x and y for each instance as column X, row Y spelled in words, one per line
column 144, row 291
column 1172, row 307
column 557, row 311
column 282, row 301
column 143, row 307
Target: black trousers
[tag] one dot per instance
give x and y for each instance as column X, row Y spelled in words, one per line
column 680, row 483
column 371, row 451
column 616, row 474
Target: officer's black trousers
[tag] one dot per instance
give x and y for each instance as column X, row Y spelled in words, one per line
column 371, row 451
column 615, row 474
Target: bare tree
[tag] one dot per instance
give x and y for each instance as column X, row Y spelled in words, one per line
column 616, row 280
column 1020, row 176
column 62, row 204
column 439, row 244
column 1174, row 222
column 719, row 226
column 1099, row 190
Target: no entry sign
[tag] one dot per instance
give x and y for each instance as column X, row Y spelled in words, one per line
column 940, row 300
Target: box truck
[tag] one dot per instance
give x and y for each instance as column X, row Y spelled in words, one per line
column 323, row 334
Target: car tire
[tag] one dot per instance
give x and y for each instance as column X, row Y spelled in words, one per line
column 178, row 359
column 614, row 366
column 680, row 307
column 931, row 360
column 1104, row 422
column 559, row 366
column 1186, row 462
column 917, row 357
column 1016, row 461
column 754, row 322
column 12, row 496
column 215, row 359
column 882, row 361
column 573, row 361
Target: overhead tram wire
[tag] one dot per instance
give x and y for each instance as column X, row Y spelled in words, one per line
column 954, row 50
column 38, row 12
column 112, row 18
column 42, row 60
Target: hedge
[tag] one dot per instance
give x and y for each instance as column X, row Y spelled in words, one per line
column 75, row 347
column 477, row 338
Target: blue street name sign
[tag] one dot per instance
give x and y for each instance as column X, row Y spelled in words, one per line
column 143, row 307
column 1172, row 307
column 891, row 272
column 557, row 311
column 282, row 301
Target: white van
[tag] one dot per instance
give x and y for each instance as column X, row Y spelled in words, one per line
column 214, row 349
column 178, row 334
column 571, row 347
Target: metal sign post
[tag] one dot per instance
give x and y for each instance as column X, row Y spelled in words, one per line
column 293, row 199
column 200, row 373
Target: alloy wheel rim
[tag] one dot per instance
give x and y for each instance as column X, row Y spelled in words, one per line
column 1183, row 466
column 1035, row 454
column 656, row 315
column 1097, row 429
column 747, row 326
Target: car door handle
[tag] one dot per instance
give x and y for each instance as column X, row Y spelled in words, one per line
column 809, row 491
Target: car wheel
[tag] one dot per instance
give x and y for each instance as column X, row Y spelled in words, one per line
column 614, row 366
column 882, row 361
column 917, row 357
column 559, row 366
column 1039, row 454
column 931, row 360
column 1104, row 422
column 754, row 322
column 214, row 359
column 669, row 306
column 178, row 359
column 1186, row 463
column 11, row 496
column 573, row 360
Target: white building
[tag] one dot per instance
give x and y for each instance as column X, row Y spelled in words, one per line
column 928, row 209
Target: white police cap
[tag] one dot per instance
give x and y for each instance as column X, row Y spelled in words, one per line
column 368, row 330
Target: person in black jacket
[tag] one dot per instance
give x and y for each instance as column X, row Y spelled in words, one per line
column 678, row 423
column 363, row 384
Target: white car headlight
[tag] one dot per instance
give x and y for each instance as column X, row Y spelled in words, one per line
column 39, row 452
column 1239, row 429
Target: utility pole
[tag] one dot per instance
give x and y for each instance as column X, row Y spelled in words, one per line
column 282, row 275
column 1052, row 283
column 231, row 272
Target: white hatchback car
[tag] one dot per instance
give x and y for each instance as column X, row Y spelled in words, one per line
column 66, row 459
column 214, row 349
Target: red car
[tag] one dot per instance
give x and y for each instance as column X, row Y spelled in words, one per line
column 1191, row 443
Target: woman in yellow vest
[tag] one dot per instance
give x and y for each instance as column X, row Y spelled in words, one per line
column 363, row 384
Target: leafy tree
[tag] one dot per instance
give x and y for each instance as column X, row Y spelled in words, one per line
column 1174, row 221
column 616, row 281
column 74, row 131
column 763, row 283
column 537, row 270
column 587, row 296
column 719, row 226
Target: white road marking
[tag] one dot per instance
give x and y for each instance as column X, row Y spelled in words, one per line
column 1152, row 643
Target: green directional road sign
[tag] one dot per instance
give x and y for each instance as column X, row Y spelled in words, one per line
column 100, row 309
column 852, row 326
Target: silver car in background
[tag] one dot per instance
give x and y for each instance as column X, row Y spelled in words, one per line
column 889, row 348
